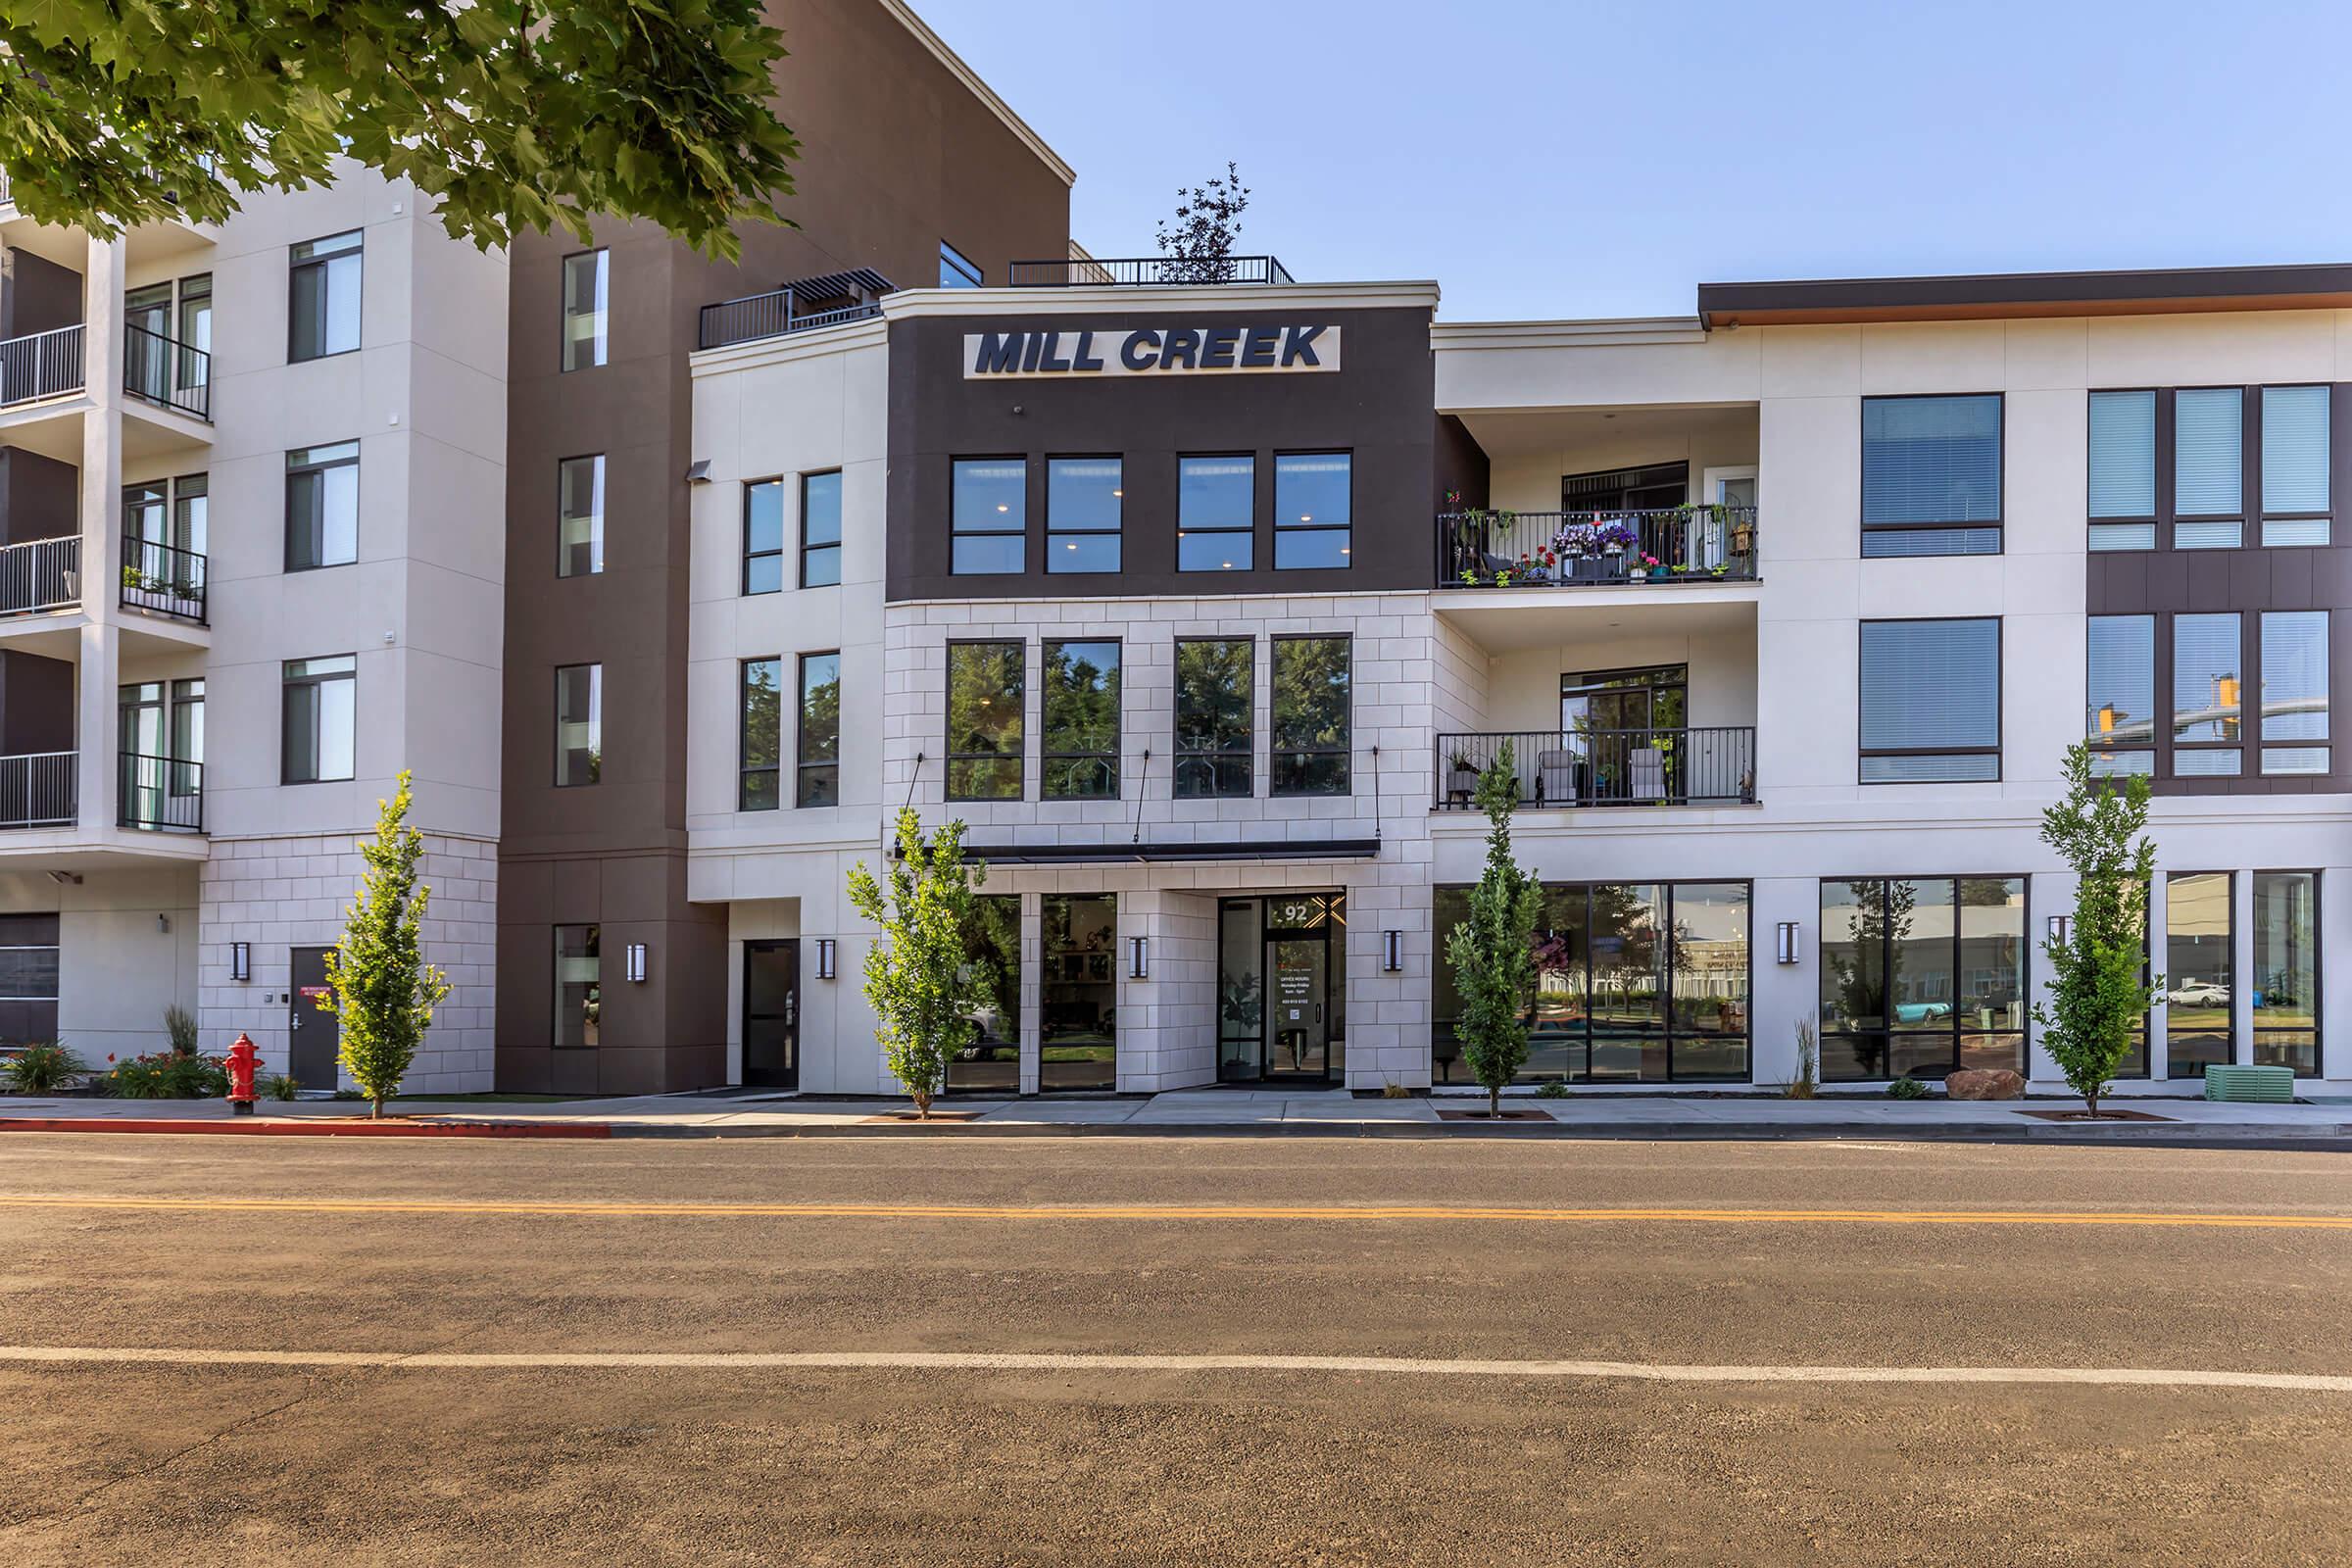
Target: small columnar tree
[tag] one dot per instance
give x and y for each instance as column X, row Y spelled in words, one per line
column 1493, row 952
column 2100, row 987
column 922, row 983
column 1199, row 244
column 379, row 985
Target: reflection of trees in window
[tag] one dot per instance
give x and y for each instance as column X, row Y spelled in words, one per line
column 1081, row 753
column 762, row 748
column 1921, row 976
column 1856, row 966
column 1310, row 734
column 984, row 721
column 992, row 946
column 1215, row 696
column 820, row 730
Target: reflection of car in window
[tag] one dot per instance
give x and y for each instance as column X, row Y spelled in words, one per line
column 2199, row 994
column 1921, row 1012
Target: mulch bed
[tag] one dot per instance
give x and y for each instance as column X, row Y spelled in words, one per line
column 1480, row 1115
column 2104, row 1115
column 936, row 1115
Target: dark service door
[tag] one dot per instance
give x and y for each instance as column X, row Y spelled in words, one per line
column 316, row 1036
column 771, row 1015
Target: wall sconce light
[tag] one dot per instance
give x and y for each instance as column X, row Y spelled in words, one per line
column 163, row 924
column 1138, row 957
column 1787, row 950
column 824, row 957
column 636, row 962
column 2062, row 929
column 240, row 961
column 1391, row 951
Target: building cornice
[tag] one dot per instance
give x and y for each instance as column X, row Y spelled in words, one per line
column 1630, row 332
column 787, row 347
column 1121, row 300
column 981, row 90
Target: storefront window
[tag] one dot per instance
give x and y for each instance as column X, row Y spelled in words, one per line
column 2287, row 971
column 1921, row 976
column 992, row 946
column 2197, row 936
column 1078, row 1001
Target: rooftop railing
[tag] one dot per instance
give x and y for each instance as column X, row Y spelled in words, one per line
column 770, row 315
column 1668, row 545
column 1144, row 271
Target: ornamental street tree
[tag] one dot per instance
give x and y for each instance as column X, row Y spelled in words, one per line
column 379, row 985
column 1493, row 952
column 2100, row 987
column 919, row 978
column 515, row 114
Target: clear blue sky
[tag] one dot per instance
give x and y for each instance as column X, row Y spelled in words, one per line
column 1550, row 157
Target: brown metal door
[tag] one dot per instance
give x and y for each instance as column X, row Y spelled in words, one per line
column 316, row 1036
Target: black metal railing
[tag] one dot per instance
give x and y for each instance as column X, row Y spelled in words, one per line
column 168, row 373
column 1142, row 271
column 1578, row 549
column 164, row 578
column 37, row 789
column 40, row 574
column 43, row 365
column 160, row 793
column 769, row 314
column 1715, row 765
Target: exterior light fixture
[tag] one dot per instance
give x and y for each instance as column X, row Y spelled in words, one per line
column 1138, row 957
column 2062, row 929
column 699, row 471
column 1787, row 950
column 636, row 964
column 240, row 961
column 1392, row 950
column 824, row 957
column 163, row 924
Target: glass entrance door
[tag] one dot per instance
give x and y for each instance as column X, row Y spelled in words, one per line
column 1299, row 1024
column 771, row 1015
column 1282, row 991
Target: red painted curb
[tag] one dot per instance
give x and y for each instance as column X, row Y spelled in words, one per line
column 321, row 1127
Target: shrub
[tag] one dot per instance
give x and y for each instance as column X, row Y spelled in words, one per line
column 179, row 1026
column 167, row 1075
column 1392, row 1090
column 1808, row 1063
column 1906, row 1089
column 42, row 1068
column 279, row 1086
column 1555, row 1089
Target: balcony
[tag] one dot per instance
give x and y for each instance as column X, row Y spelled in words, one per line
column 38, row 790
column 40, row 574
column 1667, row 547
column 160, row 793
column 1146, row 272
column 1563, row 770
column 45, row 364
column 167, row 373
column 162, row 578
column 801, row 306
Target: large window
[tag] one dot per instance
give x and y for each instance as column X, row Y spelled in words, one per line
column 579, row 725
column 322, row 505
column 1081, row 751
column 2121, row 722
column 579, row 986
column 1921, row 976
column 1078, row 1010
column 2174, row 464
column 580, row 517
column 820, row 529
column 1313, row 508
column 985, row 692
column 323, row 313
column 28, row 953
column 2123, row 470
column 992, row 946
column 587, row 282
column 2287, row 971
column 2295, row 497
column 2208, row 669
column 318, row 709
column 818, row 745
column 1216, row 695
column 2209, row 452
column 1931, row 700
column 991, row 512
column 1312, row 717
column 2294, row 691
column 1216, row 508
column 760, row 744
column 1931, row 475
column 763, row 536
column 1636, row 982
column 2200, row 1028
column 1083, row 498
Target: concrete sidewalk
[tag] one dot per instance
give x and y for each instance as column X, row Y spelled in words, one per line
column 1264, row 1112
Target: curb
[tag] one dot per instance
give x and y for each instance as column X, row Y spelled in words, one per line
column 322, row 1127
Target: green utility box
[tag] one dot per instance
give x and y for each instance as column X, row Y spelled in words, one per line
column 2269, row 1086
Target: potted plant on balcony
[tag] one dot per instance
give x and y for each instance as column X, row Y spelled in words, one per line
column 1615, row 536
column 1642, row 567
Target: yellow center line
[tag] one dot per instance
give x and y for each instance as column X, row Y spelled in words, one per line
column 1178, row 1212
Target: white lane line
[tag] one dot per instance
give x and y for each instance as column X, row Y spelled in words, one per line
column 1056, row 1361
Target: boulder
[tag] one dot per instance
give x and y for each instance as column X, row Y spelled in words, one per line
column 1985, row 1083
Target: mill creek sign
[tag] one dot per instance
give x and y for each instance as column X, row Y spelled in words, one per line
column 1152, row 351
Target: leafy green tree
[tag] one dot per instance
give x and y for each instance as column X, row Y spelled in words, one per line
column 2100, row 987
column 919, row 979
column 379, row 985
column 1493, row 952
column 1199, row 243
column 515, row 113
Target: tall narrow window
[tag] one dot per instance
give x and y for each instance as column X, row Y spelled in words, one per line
column 1083, row 505
column 2208, row 453
column 991, row 512
column 2294, row 690
column 2287, row 971
column 324, row 317
column 194, row 358
column 1081, row 753
column 322, row 505
column 587, row 279
column 1931, row 475
column 1216, row 509
column 28, row 953
column 955, row 270
column 1313, row 509
column 820, row 730
column 760, row 704
column 2121, row 723
column 2294, row 466
column 580, row 517
column 580, row 988
column 992, row 946
column 763, row 537
column 820, row 529
column 985, row 693
column 318, row 710
column 1215, row 696
column 1312, row 716
column 2208, row 669
column 2200, row 1028
column 187, row 737
column 2123, row 470
column 1078, row 995
column 1931, row 700
column 579, row 725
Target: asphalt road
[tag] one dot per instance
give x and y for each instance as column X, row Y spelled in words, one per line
column 1403, row 1455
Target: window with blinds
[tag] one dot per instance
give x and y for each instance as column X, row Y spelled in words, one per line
column 2123, row 470
column 2294, row 690
column 1931, row 475
column 2295, row 497
column 2208, row 467
column 1931, row 702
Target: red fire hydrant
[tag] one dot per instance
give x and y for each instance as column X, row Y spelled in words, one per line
column 241, row 1059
